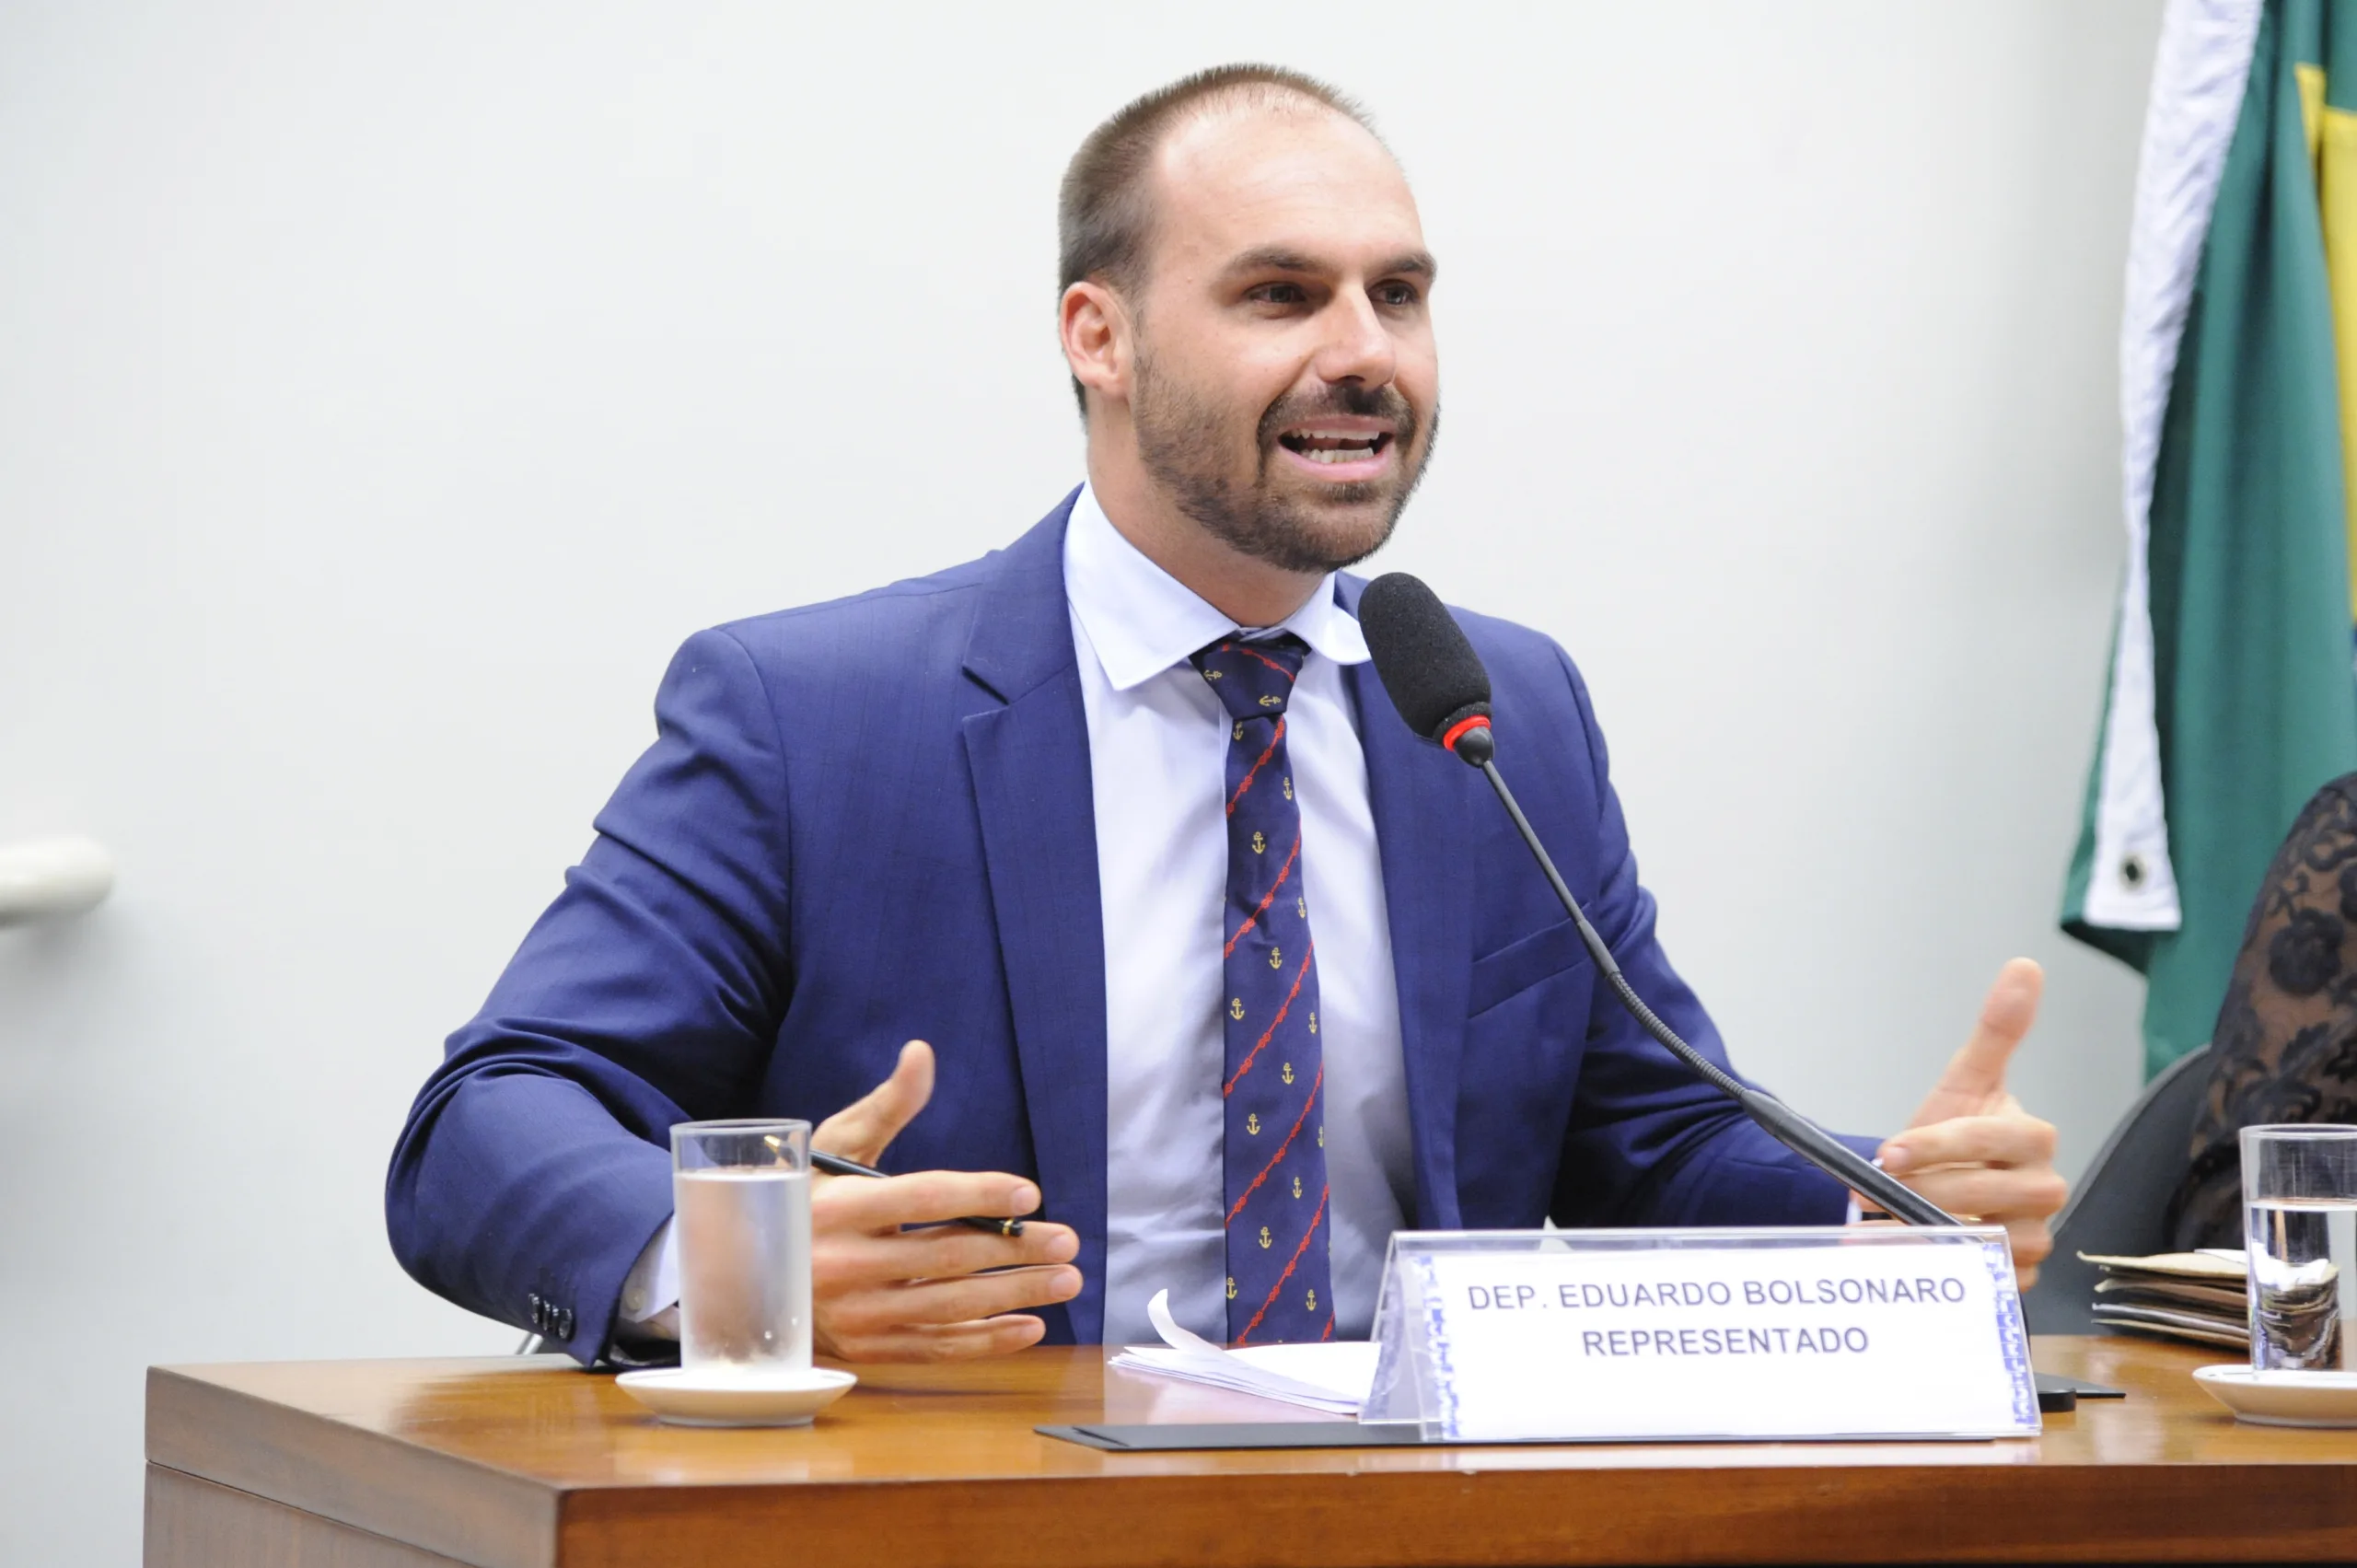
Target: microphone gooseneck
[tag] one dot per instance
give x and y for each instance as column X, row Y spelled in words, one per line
column 1441, row 690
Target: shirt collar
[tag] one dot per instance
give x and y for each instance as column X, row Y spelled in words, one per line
column 1142, row 620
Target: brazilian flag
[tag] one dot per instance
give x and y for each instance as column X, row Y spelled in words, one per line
column 2231, row 696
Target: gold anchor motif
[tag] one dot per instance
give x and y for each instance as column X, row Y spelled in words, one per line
column 1288, row 788
column 1296, row 1186
column 1236, row 1010
column 1211, row 675
column 1265, row 1235
column 1239, row 730
column 1252, row 1122
column 1313, row 1021
column 1276, row 958
column 1287, row 1077
column 1321, row 1134
column 1260, row 842
column 1231, row 1287
column 1300, row 908
column 1313, row 1301
column 1271, row 702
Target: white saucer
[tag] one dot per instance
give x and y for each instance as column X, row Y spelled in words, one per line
column 2283, row 1398
column 700, row 1398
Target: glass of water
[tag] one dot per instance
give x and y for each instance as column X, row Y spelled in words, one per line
column 2300, row 1225
column 741, row 1194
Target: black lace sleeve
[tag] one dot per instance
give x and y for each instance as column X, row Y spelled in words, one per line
column 2285, row 1046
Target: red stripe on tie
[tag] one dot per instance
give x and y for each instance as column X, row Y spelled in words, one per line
column 1315, row 1084
column 1262, row 908
column 1290, row 1263
column 1274, row 742
column 1251, row 652
column 1245, row 1065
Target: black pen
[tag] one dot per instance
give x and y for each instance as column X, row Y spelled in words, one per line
column 835, row 1164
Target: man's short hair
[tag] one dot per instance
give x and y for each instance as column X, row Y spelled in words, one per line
column 1103, row 215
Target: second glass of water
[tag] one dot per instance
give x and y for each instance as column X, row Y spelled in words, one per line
column 741, row 1195
column 2300, row 1226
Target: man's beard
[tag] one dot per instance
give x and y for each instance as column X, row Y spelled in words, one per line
column 1186, row 446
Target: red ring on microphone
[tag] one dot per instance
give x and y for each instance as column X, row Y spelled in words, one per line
column 1456, row 732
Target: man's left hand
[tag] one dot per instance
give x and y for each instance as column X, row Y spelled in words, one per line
column 1972, row 1149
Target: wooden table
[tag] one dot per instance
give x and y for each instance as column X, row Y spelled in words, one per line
column 504, row 1463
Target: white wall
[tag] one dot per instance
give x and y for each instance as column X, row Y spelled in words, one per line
column 385, row 390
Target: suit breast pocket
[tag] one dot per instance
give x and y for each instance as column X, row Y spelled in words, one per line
column 1514, row 969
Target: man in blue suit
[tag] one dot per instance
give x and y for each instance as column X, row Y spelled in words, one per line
column 1231, row 975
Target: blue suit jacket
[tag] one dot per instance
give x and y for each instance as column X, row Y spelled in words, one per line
column 869, row 821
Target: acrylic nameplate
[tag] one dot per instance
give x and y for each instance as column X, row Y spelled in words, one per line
column 1705, row 1335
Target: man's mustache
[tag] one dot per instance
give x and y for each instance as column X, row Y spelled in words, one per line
column 1364, row 402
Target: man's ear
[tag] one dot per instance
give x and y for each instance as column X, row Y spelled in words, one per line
column 1098, row 343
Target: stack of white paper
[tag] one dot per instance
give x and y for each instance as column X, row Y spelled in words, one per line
column 2198, row 1296
column 1334, row 1378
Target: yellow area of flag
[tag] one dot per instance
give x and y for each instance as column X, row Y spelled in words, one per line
column 2332, row 153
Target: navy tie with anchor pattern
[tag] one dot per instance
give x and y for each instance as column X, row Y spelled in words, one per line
column 1279, row 1286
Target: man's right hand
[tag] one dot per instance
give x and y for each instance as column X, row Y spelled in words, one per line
column 880, row 1293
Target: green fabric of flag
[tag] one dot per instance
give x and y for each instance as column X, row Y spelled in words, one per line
column 2246, row 559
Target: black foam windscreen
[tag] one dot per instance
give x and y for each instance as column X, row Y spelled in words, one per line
column 1421, row 655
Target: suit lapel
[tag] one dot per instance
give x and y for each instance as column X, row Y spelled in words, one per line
column 1418, row 795
column 1031, row 766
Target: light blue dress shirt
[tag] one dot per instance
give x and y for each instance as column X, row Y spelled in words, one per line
column 1157, row 749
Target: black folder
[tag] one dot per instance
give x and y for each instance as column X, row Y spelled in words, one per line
column 2056, row 1394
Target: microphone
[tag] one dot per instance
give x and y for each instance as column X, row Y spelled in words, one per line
column 1438, row 683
